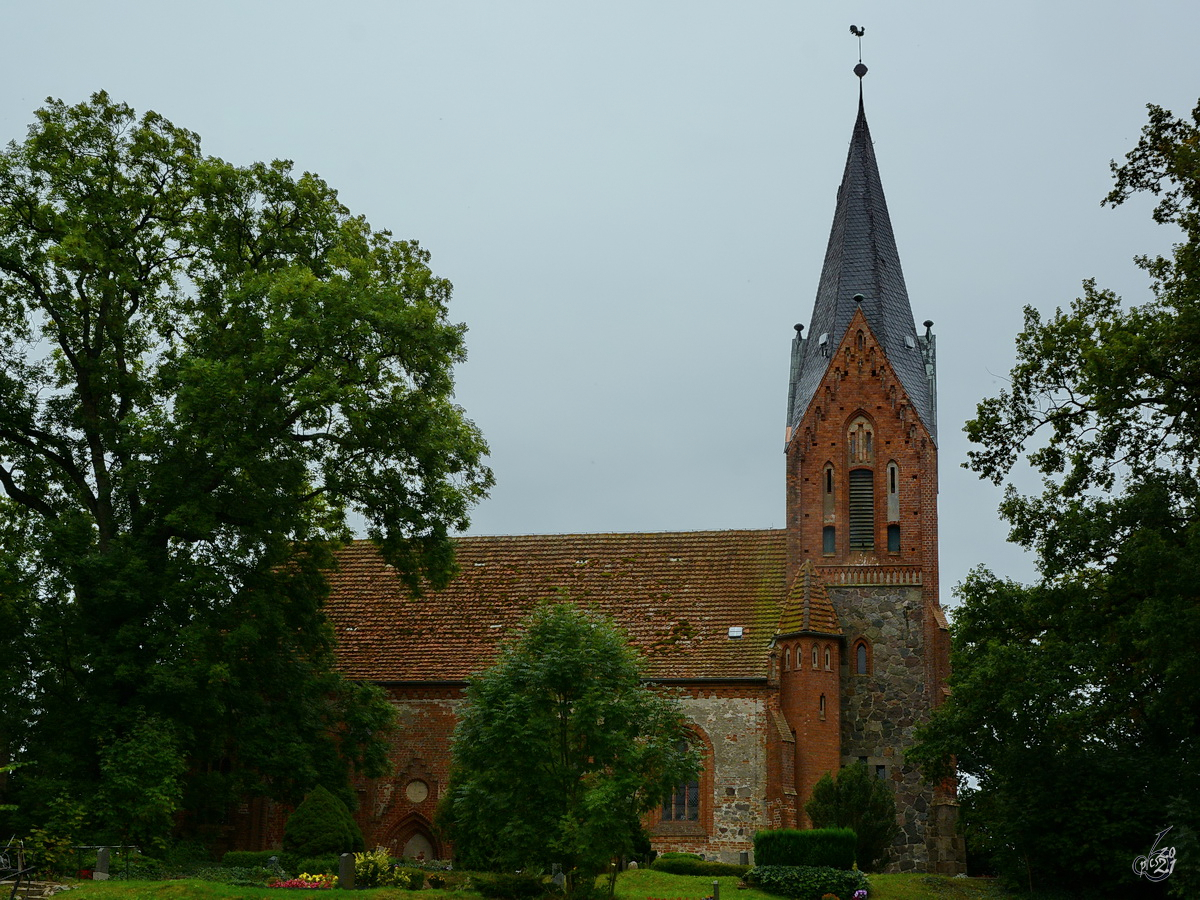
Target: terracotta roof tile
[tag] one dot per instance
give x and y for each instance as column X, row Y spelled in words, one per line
column 807, row 608
column 677, row 594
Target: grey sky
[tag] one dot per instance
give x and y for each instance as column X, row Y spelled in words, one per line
column 633, row 200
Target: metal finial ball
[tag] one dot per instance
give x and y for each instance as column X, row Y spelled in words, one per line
column 859, row 298
column 799, row 328
column 860, row 70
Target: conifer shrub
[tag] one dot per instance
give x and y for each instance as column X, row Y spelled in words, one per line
column 321, row 825
column 806, row 882
column 832, row 847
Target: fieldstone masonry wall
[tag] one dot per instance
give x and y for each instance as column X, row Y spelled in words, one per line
column 733, row 725
column 881, row 710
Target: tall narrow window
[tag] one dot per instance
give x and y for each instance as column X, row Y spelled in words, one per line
column 816, row 650
column 821, row 706
column 862, row 509
column 893, row 492
column 862, row 662
column 828, row 660
column 894, row 537
column 829, row 540
column 682, row 804
column 827, row 491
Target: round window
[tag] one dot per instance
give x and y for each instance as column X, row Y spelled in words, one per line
column 416, row 791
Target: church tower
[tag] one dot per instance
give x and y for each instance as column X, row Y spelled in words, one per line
column 862, row 482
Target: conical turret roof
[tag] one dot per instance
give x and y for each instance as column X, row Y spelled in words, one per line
column 861, row 259
column 807, row 608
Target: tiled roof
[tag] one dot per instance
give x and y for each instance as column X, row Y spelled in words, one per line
column 677, row 594
column 862, row 258
column 808, row 608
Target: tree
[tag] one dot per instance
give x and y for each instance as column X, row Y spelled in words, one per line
column 560, row 750
column 855, row 799
column 1076, row 701
column 204, row 370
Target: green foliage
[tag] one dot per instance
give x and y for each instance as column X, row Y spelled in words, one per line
column 206, row 369
column 1075, row 707
column 806, row 882
column 140, row 784
column 321, row 825
column 560, row 750
column 834, row 848
column 323, row 864
column 509, row 886
column 50, row 846
column 378, row 869
column 857, row 800
column 689, row 864
column 249, row 859
column 372, row 869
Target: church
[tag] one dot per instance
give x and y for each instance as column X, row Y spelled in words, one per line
column 796, row 651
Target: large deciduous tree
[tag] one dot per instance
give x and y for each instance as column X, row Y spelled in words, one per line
column 1076, row 701
column 560, row 750
column 204, row 370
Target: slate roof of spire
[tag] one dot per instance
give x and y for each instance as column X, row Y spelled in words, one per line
column 862, row 259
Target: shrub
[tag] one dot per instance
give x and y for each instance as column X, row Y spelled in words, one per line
column 806, row 882
column 690, row 864
column 238, row 876
column 249, row 859
column 831, row 847
column 327, row 863
column 510, row 887
column 321, row 825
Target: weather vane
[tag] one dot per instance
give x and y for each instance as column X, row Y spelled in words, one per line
column 860, row 70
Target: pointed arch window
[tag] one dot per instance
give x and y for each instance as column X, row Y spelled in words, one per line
column 816, row 656
column 682, row 804
column 821, row 706
column 862, row 657
column 828, row 660
column 787, row 660
column 860, row 441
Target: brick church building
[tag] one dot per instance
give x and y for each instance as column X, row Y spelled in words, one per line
column 797, row 651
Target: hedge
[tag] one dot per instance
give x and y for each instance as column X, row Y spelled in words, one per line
column 832, row 847
column 806, row 882
column 680, row 864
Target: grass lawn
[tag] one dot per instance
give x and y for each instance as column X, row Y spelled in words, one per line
column 641, row 884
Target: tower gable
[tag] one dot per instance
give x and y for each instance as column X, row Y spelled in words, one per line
column 862, row 467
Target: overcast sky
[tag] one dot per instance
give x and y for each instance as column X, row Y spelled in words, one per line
column 633, row 200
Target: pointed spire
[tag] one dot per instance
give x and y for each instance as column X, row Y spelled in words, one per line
column 861, row 258
column 807, row 608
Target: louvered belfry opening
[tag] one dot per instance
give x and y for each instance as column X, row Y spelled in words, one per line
column 862, row 509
